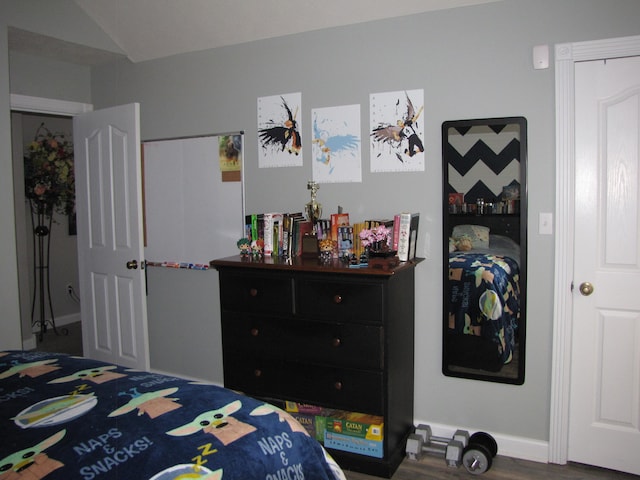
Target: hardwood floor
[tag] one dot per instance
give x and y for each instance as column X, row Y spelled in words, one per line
column 68, row 340
column 432, row 467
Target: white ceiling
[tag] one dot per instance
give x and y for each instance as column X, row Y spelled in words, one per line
column 149, row 29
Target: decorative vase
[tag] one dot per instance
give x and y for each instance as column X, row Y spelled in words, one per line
column 382, row 257
column 380, row 250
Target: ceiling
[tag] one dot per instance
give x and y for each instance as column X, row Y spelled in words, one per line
column 150, row 29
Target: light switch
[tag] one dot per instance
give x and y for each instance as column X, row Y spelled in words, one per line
column 545, row 223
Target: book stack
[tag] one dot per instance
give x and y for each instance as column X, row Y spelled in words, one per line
column 282, row 233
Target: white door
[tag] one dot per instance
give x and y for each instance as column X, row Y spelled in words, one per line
column 604, row 411
column 110, row 241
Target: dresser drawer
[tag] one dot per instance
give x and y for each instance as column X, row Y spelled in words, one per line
column 346, row 389
column 333, row 300
column 252, row 375
column 257, row 335
column 253, row 292
column 339, row 344
column 343, row 388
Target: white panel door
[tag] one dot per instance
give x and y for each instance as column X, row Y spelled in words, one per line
column 110, row 239
column 604, row 412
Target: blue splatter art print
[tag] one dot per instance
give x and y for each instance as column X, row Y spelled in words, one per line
column 336, row 144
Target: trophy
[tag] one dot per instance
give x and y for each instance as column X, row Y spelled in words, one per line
column 313, row 208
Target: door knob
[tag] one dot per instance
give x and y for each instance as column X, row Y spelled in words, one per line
column 586, row 289
column 132, row 264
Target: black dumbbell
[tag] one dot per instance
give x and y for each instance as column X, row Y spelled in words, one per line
column 477, row 456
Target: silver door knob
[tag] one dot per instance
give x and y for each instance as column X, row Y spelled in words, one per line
column 132, row 264
column 586, row 289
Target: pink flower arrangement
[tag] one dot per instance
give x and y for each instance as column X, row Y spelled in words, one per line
column 376, row 235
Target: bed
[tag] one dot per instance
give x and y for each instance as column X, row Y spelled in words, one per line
column 483, row 298
column 67, row 417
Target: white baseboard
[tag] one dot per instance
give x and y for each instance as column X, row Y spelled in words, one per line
column 31, row 343
column 508, row 445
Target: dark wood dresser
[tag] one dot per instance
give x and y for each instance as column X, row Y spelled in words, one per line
column 325, row 335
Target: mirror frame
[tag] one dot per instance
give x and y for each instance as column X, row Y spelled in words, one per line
column 448, row 223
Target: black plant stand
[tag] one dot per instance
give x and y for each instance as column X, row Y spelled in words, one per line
column 41, row 220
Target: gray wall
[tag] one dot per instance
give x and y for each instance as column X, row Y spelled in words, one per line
column 49, row 78
column 64, row 20
column 472, row 62
column 9, row 300
column 184, row 327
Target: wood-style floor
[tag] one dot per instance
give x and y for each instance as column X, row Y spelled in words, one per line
column 432, row 467
column 68, row 340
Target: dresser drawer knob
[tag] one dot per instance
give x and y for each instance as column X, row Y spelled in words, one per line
column 253, row 292
column 337, row 385
column 257, row 372
column 255, row 332
column 336, row 342
column 337, row 299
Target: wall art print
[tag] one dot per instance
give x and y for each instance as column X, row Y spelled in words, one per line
column 279, row 130
column 336, row 144
column 230, row 157
column 396, row 131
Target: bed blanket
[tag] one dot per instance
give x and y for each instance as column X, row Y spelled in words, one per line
column 68, row 418
column 484, row 301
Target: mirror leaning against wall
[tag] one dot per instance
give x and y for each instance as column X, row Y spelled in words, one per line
column 485, row 248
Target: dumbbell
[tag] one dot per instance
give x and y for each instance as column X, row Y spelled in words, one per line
column 423, row 441
column 475, row 452
column 478, row 455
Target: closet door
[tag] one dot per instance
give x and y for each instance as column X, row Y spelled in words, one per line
column 604, row 411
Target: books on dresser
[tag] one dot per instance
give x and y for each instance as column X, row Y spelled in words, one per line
column 283, row 233
column 407, row 235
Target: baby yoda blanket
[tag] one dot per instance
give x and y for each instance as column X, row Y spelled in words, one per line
column 68, row 418
column 484, row 301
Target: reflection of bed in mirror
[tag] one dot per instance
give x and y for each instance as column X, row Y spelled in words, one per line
column 484, row 248
column 483, row 294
